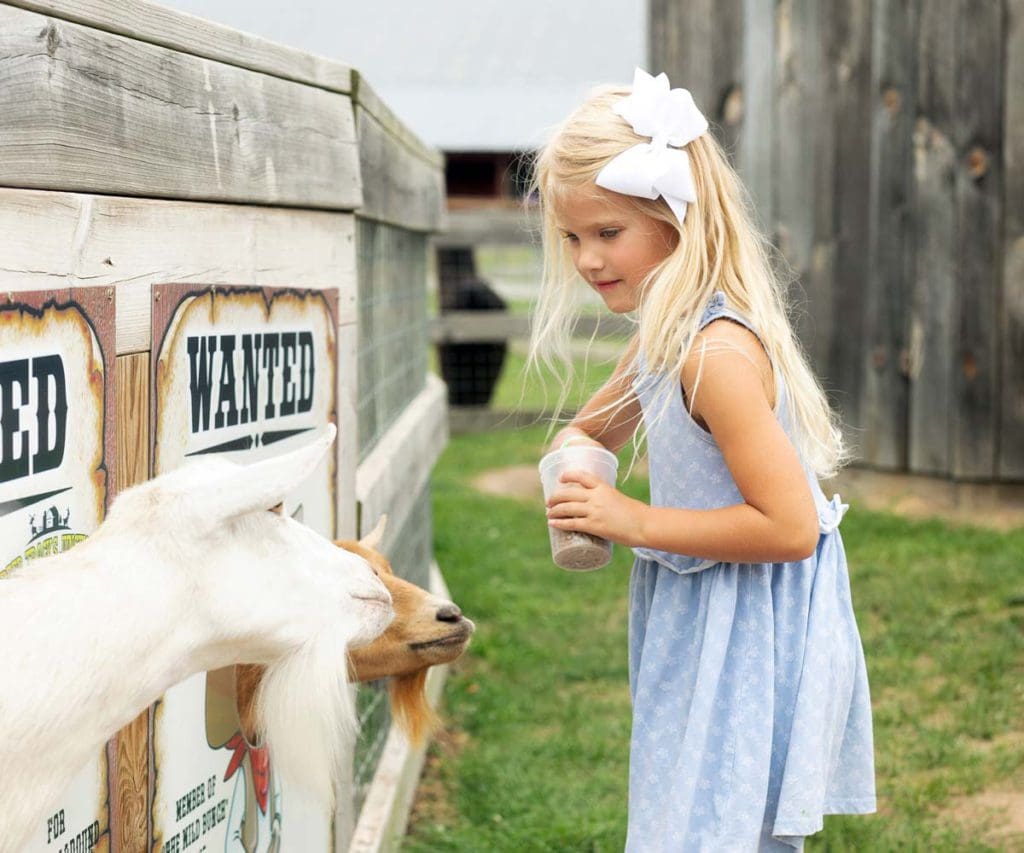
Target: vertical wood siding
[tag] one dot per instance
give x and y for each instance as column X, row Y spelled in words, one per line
column 882, row 143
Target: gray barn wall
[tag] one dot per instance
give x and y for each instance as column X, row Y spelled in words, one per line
column 883, row 145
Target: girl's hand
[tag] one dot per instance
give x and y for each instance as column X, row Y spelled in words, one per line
column 589, row 505
column 572, row 436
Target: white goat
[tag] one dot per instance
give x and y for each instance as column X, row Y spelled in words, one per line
column 189, row 572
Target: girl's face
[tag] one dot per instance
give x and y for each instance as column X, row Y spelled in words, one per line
column 613, row 245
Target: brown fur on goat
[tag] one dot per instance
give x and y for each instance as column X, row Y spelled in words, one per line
column 426, row 631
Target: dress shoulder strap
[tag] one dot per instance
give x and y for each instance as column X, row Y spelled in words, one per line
column 718, row 308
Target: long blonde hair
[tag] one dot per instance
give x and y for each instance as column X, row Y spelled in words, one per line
column 719, row 249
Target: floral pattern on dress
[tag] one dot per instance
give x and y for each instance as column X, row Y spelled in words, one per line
column 751, row 711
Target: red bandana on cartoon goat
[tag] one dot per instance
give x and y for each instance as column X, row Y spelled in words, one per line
column 259, row 758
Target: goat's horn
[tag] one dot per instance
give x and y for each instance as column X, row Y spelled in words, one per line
column 265, row 484
column 375, row 536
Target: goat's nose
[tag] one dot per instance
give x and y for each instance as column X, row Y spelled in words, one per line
column 448, row 613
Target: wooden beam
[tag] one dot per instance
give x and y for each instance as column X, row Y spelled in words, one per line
column 129, row 750
column 842, row 373
column 366, row 97
column 883, row 403
column 932, row 305
column 400, row 186
column 88, row 111
column 148, row 22
column 501, row 226
column 81, row 240
column 1011, row 430
column 979, row 215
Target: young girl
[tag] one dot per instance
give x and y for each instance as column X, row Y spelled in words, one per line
column 751, row 715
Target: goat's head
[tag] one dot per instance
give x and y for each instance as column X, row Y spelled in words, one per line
column 256, row 586
column 247, row 570
column 426, row 631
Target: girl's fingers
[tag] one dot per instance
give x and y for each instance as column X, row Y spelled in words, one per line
column 566, row 523
column 573, row 493
column 584, row 478
column 570, row 509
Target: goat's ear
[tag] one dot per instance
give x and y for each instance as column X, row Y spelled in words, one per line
column 265, row 484
column 375, row 536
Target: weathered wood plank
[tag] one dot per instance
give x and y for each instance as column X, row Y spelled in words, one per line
column 726, row 104
column 85, row 110
column 347, row 446
column 1011, row 428
column 680, row 42
column 754, row 158
column 366, row 96
column 805, row 168
column 460, row 327
column 400, row 186
column 699, row 44
column 78, row 240
column 184, row 33
column 129, row 767
column 394, row 473
column 883, row 403
column 496, row 226
column 979, row 143
column 933, row 289
column 849, row 57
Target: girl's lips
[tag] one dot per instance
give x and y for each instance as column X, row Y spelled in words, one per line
column 606, row 283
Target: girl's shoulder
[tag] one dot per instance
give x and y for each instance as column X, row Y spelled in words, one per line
column 723, row 350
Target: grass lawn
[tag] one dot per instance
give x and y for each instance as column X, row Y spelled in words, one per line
column 534, row 757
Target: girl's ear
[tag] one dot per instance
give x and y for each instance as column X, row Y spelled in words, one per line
column 262, row 485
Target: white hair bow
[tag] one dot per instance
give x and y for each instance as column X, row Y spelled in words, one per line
column 653, row 168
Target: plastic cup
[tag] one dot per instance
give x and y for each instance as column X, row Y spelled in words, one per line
column 570, row 549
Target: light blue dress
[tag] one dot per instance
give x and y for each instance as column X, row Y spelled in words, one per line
column 751, row 714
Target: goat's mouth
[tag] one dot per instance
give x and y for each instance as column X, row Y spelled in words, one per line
column 459, row 637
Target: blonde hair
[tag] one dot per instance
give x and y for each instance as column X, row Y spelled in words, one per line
column 719, row 249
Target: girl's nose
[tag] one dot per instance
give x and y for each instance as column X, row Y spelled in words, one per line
column 590, row 260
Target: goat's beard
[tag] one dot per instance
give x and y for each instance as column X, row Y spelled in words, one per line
column 306, row 714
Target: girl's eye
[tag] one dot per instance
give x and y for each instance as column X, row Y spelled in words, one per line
column 608, row 233
column 572, row 238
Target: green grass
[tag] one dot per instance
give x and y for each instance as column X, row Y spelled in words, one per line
column 517, row 391
column 539, row 707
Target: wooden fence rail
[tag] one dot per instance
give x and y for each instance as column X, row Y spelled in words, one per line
column 463, row 327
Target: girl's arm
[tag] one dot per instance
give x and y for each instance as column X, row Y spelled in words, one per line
column 614, row 427
column 777, row 521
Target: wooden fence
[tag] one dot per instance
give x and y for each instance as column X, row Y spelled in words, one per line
column 883, row 145
column 142, row 147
